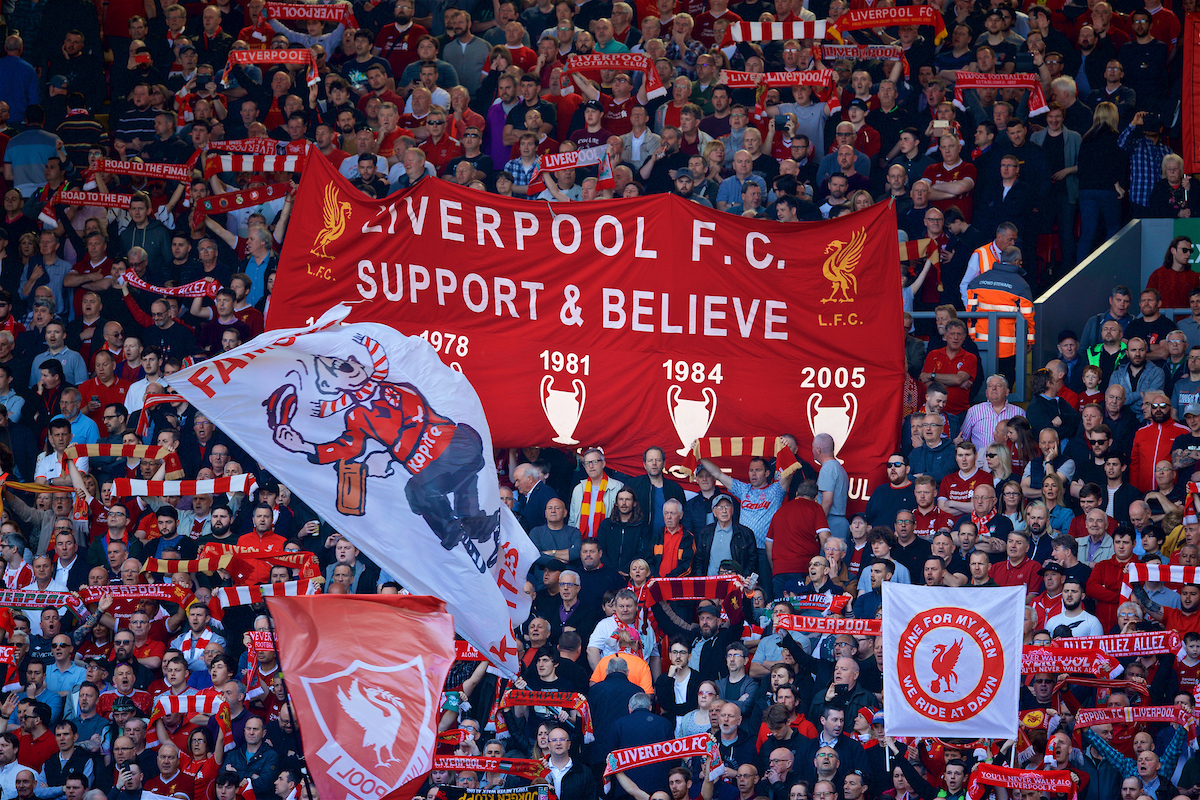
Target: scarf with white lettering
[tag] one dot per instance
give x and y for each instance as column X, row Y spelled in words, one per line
column 834, row 625
column 823, row 80
column 528, row 768
column 77, row 197
column 1021, row 80
column 1053, row 660
column 572, row 701
column 1141, row 643
column 292, row 56
column 698, row 745
column 888, row 18
column 1037, row 781
column 862, row 52
column 341, row 14
column 141, row 169
column 621, row 62
column 33, row 598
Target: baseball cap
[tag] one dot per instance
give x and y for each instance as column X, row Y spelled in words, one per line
column 859, row 103
column 721, row 497
column 1067, row 334
column 593, row 104
column 59, row 82
column 556, row 565
column 123, row 704
column 185, row 48
column 710, row 608
column 1052, row 567
column 1192, row 410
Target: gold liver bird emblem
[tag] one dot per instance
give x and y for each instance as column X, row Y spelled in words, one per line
column 840, row 265
column 334, row 213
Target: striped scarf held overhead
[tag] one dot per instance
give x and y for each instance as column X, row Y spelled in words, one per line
column 773, row 31
column 1159, row 573
column 152, row 452
column 170, row 592
column 170, row 566
column 742, row 446
column 527, row 768
column 717, row 587
column 249, row 595
column 571, row 701
column 209, row 702
column 244, row 483
column 589, row 523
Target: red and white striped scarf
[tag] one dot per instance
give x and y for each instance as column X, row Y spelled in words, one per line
column 208, row 702
column 1159, row 573
column 253, row 163
column 149, row 402
column 123, row 487
column 773, row 31
column 247, row 595
column 152, row 452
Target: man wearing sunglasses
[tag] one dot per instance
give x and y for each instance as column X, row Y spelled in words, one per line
column 1153, row 443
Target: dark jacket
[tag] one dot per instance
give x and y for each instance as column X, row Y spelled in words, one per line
column 637, row 728
column 609, row 702
column 712, row 649
column 578, row 782
column 533, row 507
column 664, row 692
column 685, row 553
column 1042, row 410
column 742, row 549
column 623, row 542
column 697, row 509
column 644, row 491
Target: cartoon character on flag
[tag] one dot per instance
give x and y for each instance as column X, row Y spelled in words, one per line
column 390, row 423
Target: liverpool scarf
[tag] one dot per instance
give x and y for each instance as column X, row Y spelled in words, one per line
column 200, row 288
column 208, row 702
column 152, row 452
column 454, row 736
column 262, row 146
column 920, row 249
column 170, row 592
column 538, row 792
column 824, row 603
column 740, row 446
column 834, row 625
column 589, row 524
column 698, row 745
column 341, row 14
column 292, row 56
column 558, row 162
column 669, row 590
column 32, row 598
column 169, row 566
column 77, row 197
column 622, row 62
column 303, row 561
column 1022, row 80
column 244, row 163
column 1040, row 782
column 822, row 80
column 465, row 651
column 1160, row 573
column 528, row 768
column 1087, row 717
column 862, row 52
column 141, row 169
column 152, row 400
column 1109, row 684
column 888, row 18
column 773, row 31
column 1053, row 660
column 124, row 487
column 1120, row 645
column 572, row 701
column 231, row 201
column 247, row 595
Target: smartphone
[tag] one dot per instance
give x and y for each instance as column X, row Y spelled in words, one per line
column 781, row 120
column 141, row 58
column 95, row 398
column 941, row 125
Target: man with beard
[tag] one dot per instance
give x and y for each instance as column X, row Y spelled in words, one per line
column 1154, row 442
column 220, row 522
column 397, row 43
column 896, row 495
column 1183, row 619
column 1138, row 376
column 1037, row 525
column 1080, row 622
column 711, row 638
column 684, row 188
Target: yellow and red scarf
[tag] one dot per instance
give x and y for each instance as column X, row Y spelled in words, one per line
column 588, row 524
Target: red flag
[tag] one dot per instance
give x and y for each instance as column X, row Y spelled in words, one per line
column 367, row 705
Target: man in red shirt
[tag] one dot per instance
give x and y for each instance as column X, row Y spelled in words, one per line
column 958, row 488
column 928, row 518
column 953, row 367
column 1018, row 569
column 170, row 780
column 37, row 743
column 103, row 390
column 1104, row 584
column 797, row 532
column 616, row 107
column 440, row 148
column 706, row 22
column 953, row 180
column 397, row 42
column 1049, row 603
column 1152, row 443
column 93, row 272
column 1183, row 619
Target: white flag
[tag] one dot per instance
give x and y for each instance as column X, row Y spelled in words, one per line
column 952, row 663
column 390, row 446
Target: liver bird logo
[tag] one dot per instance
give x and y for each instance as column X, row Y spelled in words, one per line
column 379, row 714
column 840, row 265
column 945, row 659
column 334, row 213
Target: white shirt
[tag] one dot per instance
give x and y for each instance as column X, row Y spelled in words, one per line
column 61, row 573
column 556, row 775
column 35, row 618
column 1082, row 624
column 603, row 640
column 8, row 779
column 50, row 465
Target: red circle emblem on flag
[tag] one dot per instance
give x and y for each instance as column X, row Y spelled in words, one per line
column 950, row 663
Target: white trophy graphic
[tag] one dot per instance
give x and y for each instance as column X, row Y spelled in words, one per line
column 690, row 417
column 837, row 422
column 563, row 409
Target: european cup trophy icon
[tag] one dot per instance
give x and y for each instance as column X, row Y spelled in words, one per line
column 563, row 409
column 837, row 422
column 690, row 417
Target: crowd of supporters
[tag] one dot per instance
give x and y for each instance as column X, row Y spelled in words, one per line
column 1058, row 496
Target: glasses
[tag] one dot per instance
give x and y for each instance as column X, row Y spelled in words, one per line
column 561, row 583
column 58, row 645
column 593, row 462
column 471, row 136
column 895, row 464
column 992, row 455
column 436, row 122
column 1185, row 249
column 1160, row 405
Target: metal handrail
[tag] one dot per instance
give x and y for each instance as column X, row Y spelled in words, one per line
column 987, row 349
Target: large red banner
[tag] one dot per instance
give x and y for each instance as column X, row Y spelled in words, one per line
column 1190, row 40
column 623, row 323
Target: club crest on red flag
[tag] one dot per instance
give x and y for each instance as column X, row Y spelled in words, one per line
column 367, row 706
column 953, row 661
